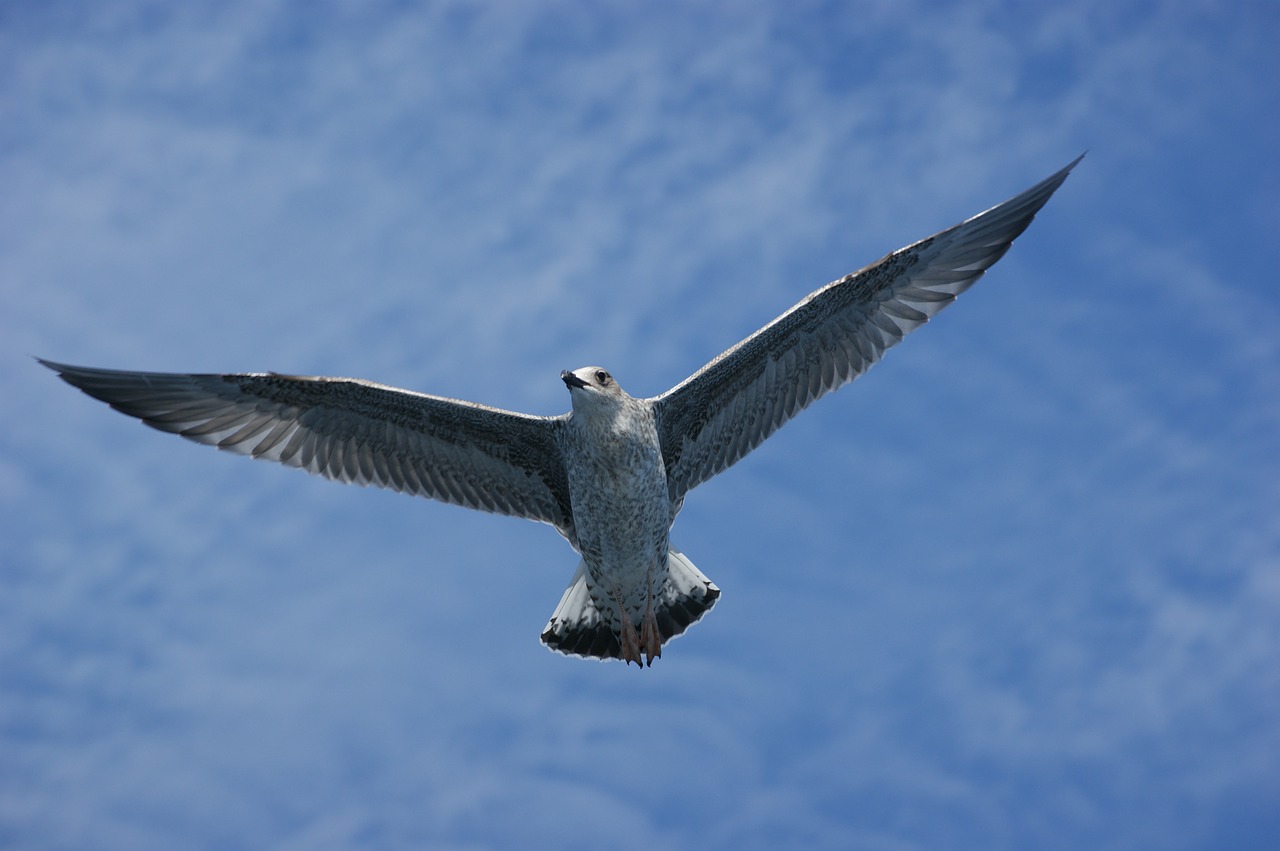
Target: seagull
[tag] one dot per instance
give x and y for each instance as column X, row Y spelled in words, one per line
column 610, row 475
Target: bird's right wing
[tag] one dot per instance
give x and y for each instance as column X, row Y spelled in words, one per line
column 730, row 406
column 356, row 431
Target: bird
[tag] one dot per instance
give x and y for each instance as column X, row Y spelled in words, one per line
column 612, row 473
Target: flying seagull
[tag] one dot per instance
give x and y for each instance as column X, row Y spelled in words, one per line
column 611, row 474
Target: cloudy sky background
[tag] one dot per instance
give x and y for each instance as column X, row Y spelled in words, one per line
column 1017, row 587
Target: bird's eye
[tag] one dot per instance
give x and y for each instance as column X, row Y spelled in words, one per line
column 602, row 376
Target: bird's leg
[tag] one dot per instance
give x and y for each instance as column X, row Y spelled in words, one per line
column 630, row 641
column 650, row 635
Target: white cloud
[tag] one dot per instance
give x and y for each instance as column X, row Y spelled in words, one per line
column 1024, row 600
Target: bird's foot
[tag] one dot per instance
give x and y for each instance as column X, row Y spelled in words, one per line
column 650, row 635
column 630, row 640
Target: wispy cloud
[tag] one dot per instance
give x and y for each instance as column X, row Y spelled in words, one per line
column 1022, row 597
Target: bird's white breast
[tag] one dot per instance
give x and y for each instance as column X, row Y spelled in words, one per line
column 618, row 486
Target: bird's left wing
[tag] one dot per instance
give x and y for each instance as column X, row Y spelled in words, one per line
column 730, row 406
column 356, row 431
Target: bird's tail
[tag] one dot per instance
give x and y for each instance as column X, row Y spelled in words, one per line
column 586, row 624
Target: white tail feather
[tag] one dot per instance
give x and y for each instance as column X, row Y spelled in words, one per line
column 582, row 626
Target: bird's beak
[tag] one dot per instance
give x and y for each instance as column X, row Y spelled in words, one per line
column 571, row 381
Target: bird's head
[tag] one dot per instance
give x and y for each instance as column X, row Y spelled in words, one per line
column 592, row 388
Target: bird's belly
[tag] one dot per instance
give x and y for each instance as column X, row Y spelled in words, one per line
column 622, row 515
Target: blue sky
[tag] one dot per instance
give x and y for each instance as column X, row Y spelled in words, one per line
column 1017, row 587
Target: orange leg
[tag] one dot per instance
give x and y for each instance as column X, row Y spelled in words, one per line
column 650, row 637
column 630, row 640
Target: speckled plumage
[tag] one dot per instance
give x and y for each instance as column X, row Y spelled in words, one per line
column 611, row 475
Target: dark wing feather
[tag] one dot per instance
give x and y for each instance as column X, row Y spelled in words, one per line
column 356, row 431
column 729, row 407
